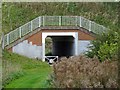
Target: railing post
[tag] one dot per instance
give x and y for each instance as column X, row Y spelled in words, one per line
column 20, row 32
column 76, row 20
column 89, row 25
column 60, row 18
column 80, row 22
column 31, row 23
column 39, row 21
column 43, row 20
column 8, row 39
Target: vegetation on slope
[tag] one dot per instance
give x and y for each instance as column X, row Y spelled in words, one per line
column 31, row 72
column 105, row 46
column 17, row 14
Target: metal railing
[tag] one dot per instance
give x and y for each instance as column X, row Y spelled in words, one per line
column 51, row 59
column 52, row 21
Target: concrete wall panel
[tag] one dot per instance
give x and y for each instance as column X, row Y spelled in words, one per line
column 83, row 46
column 27, row 49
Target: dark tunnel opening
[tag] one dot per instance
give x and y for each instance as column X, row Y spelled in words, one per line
column 62, row 46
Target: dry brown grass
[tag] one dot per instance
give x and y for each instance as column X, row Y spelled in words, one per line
column 82, row 72
column 10, row 71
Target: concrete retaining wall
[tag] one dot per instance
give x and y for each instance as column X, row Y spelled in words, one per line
column 83, row 46
column 27, row 49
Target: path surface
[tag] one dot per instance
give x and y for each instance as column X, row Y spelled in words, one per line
column 34, row 78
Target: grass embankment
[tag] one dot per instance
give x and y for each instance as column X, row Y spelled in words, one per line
column 22, row 72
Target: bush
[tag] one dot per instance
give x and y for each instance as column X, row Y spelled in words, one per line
column 82, row 72
column 105, row 46
column 107, row 51
column 48, row 46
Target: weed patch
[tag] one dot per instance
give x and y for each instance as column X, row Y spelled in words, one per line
column 82, row 72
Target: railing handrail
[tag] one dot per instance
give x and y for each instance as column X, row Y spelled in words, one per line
column 76, row 21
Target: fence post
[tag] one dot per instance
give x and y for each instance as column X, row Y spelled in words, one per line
column 8, row 39
column 80, row 22
column 39, row 21
column 43, row 20
column 76, row 20
column 89, row 25
column 60, row 23
column 20, row 32
column 31, row 23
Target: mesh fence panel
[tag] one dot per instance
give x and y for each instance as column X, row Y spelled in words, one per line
column 85, row 23
column 51, row 20
column 5, row 40
column 35, row 23
column 14, row 35
column 78, row 21
column 94, row 27
column 25, row 29
column 69, row 20
column 100, row 29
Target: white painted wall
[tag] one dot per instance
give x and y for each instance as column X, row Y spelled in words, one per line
column 83, row 46
column 45, row 34
column 27, row 49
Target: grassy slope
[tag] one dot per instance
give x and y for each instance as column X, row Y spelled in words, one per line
column 34, row 78
column 35, row 72
column 16, row 14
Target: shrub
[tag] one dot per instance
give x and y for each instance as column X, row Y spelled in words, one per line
column 82, row 72
column 105, row 46
column 48, row 46
column 107, row 50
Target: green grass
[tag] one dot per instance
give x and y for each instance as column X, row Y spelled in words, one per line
column 34, row 78
column 35, row 72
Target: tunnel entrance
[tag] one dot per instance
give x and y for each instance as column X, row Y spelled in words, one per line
column 63, row 46
column 59, row 44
